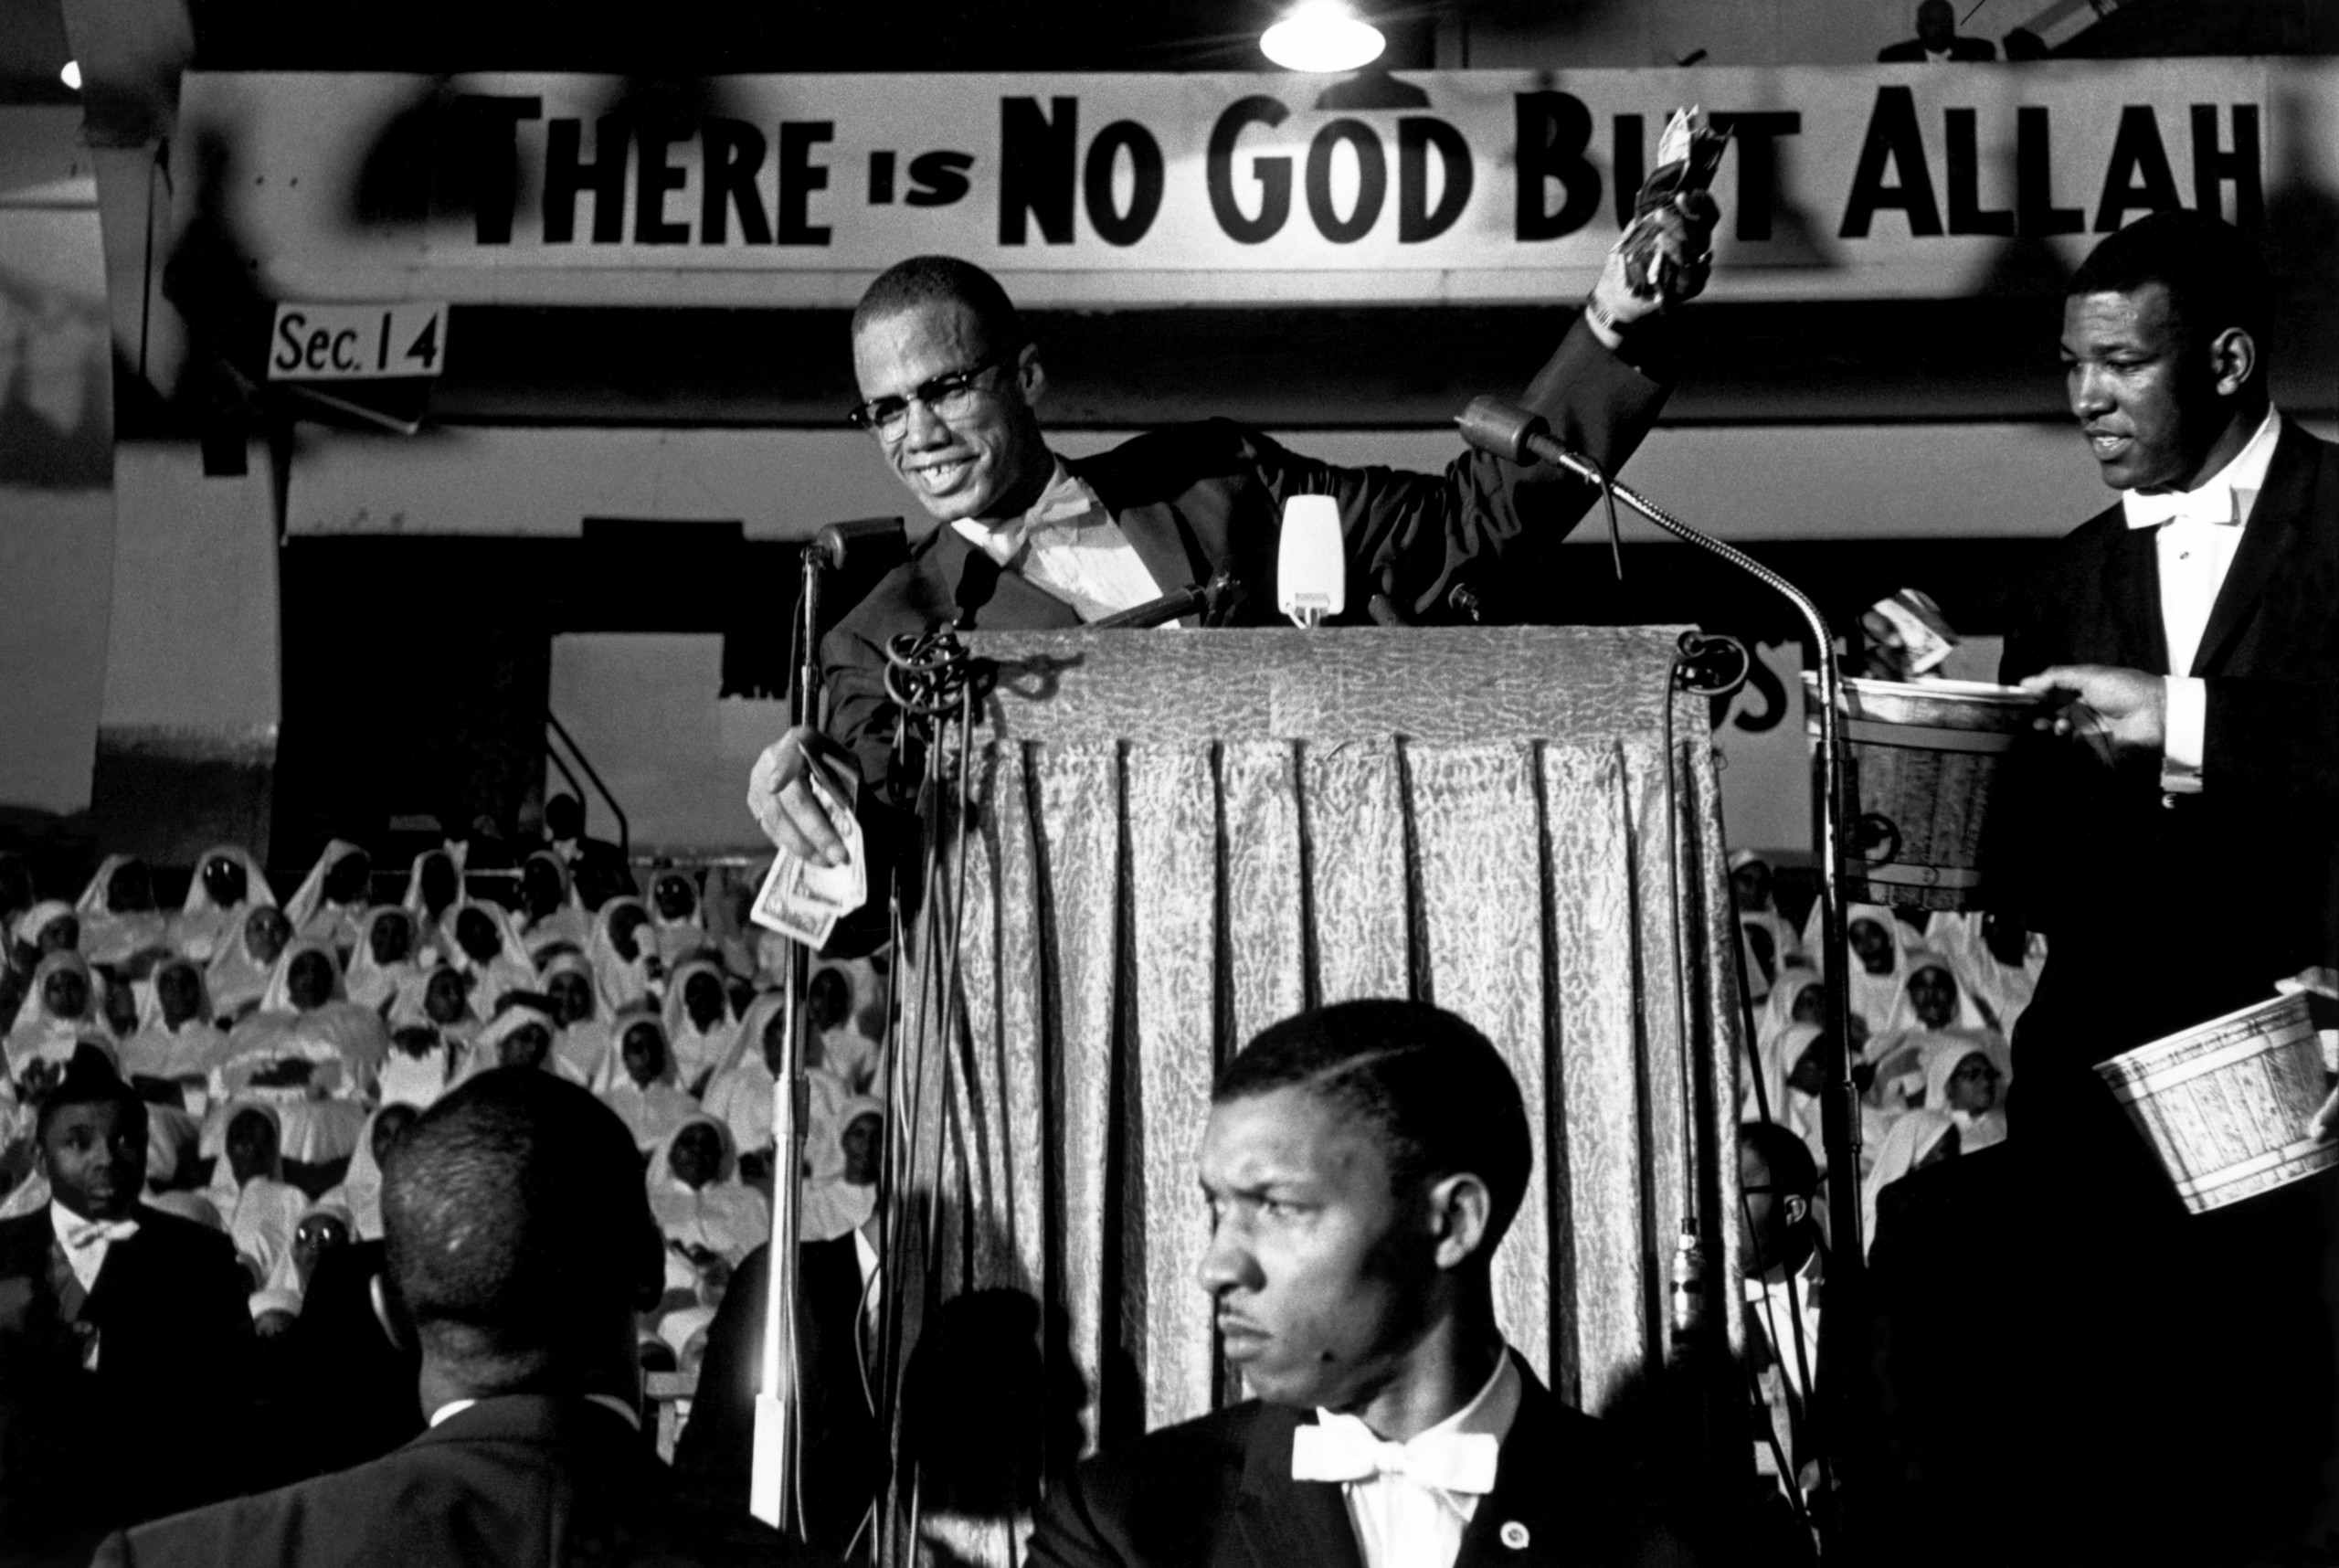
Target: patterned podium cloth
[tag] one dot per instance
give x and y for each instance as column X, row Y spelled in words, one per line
column 1181, row 837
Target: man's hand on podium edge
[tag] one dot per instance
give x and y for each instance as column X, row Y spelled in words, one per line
column 2115, row 711
column 781, row 794
column 1686, row 236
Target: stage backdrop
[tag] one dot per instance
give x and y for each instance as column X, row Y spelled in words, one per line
column 1123, row 190
column 1181, row 839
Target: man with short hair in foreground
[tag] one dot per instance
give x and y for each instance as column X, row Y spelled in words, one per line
column 1361, row 1163
column 520, row 1247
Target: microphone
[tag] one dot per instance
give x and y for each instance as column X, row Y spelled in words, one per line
column 1311, row 562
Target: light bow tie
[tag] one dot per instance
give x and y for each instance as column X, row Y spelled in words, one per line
column 90, row 1232
column 1342, row 1448
column 2213, row 502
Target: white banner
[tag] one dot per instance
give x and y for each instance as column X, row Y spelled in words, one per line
column 1159, row 190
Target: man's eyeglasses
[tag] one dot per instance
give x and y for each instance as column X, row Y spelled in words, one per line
column 946, row 397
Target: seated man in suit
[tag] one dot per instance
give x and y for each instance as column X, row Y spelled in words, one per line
column 952, row 381
column 1361, row 1163
column 520, row 1246
column 113, row 1321
column 118, row 1323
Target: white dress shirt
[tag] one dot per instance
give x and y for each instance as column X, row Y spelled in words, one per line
column 1070, row 547
column 1402, row 1522
column 84, row 1241
column 1782, row 1305
column 2201, row 530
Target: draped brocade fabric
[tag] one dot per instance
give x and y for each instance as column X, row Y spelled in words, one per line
column 1177, row 840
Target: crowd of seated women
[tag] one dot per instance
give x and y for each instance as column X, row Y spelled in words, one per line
column 1933, row 997
column 282, row 1044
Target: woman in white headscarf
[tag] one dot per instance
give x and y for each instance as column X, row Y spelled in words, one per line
column 700, row 1030
column 1997, row 959
column 488, row 949
column 117, row 912
column 434, row 887
column 1916, row 1140
column 384, row 961
column 680, row 923
column 626, row 968
column 175, row 1040
column 226, row 882
column 261, row 1209
column 521, row 1035
column 360, row 1193
column 844, row 1135
column 428, row 1043
column 1966, row 1080
column 1798, row 996
column 1933, row 1006
column 305, row 1014
column 697, row 1198
column 61, row 1008
column 246, row 956
column 551, row 912
column 585, row 1039
column 331, row 899
column 638, row 1080
column 740, row 1090
column 1879, row 943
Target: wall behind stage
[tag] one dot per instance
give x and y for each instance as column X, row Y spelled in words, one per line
column 56, row 522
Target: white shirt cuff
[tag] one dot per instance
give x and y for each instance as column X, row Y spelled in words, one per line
column 2182, row 738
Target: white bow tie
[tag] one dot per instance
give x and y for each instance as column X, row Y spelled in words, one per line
column 90, row 1232
column 2213, row 502
column 1343, row 1449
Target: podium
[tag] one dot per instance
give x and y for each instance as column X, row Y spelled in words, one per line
column 1176, row 838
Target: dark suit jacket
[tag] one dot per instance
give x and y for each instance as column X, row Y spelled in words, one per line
column 2241, row 881
column 520, row 1479
column 844, row 1451
column 172, row 1337
column 1912, row 51
column 1217, row 1492
column 1193, row 499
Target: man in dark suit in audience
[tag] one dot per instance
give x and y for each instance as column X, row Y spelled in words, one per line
column 2183, row 853
column 1361, row 1163
column 124, row 1338
column 520, row 1246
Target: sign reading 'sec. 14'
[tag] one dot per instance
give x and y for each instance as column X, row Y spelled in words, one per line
column 1176, row 189
column 356, row 343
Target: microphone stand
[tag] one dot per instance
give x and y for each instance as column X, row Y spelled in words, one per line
column 1508, row 432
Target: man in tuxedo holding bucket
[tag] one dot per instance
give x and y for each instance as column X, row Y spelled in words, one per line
column 2180, row 847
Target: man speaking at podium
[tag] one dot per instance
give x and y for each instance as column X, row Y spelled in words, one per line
column 950, row 384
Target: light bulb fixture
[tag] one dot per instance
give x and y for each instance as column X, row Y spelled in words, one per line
column 71, row 75
column 1322, row 35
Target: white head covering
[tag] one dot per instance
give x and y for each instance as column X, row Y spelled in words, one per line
column 106, row 936
column 256, row 887
column 741, row 1089
column 157, row 1049
column 1941, row 1063
column 726, row 1216
column 369, row 982
column 678, row 939
column 1913, row 961
column 510, row 970
column 487, row 1047
column 360, row 1193
column 697, row 1053
column 34, row 920
column 1912, row 1137
column 830, row 1205
column 42, row 1033
column 235, row 977
column 619, row 980
column 307, row 901
column 566, row 921
column 436, row 933
column 583, row 1047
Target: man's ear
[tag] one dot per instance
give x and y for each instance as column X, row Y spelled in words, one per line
column 390, row 1313
column 1460, row 1212
column 1797, row 1209
column 2233, row 359
column 1031, row 375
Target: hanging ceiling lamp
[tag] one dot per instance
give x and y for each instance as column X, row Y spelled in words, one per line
column 1322, row 35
